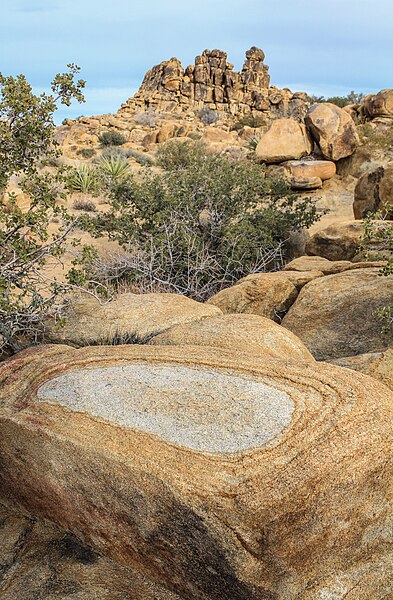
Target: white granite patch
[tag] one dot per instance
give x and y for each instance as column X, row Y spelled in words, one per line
column 202, row 410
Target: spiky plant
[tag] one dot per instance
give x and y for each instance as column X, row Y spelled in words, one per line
column 82, row 179
column 114, row 169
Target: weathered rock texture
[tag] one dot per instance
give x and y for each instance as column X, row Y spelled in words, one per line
column 40, row 561
column 127, row 319
column 338, row 242
column 333, row 129
column 237, row 333
column 212, row 82
column 334, row 315
column 378, row 105
column 300, row 516
column 286, row 139
column 382, row 368
column 374, row 191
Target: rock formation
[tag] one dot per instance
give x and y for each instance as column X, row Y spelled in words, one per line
column 374, row 192
column 217, row 476
column 211, row 82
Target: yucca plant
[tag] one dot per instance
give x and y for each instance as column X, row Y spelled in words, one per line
column 82, row 179
column 113, row 169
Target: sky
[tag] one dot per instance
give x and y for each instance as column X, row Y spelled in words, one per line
column 323, row 47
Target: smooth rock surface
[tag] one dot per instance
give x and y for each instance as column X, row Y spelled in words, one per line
column 333, row 130
column 286, row 139
column 128, row 318
column 339, row 241
column 237, row 333
column 335, row 315
column 324, row 169
column 255, row 525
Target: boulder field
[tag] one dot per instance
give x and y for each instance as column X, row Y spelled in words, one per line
column 216, row 476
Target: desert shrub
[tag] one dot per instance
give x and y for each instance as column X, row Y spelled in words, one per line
column 27, row 295
column 203, row 224
column 195, row 135
column 84, row 204
column 86, row 152
column 208, row 116
column 141, row 157
column 148, row 118
column 179, row 155
column 112, row 138
column 341, row 101
column 377, row 242
column 112, row 170
column 250, row 120
column 82, row 179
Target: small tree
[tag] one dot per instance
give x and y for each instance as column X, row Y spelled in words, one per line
column 27, row 294
column 200, row 226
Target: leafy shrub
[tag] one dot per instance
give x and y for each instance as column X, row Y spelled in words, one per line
column 112, row 138
column 341, row 101
column 250, row 120
column 85, row 205
column 141, row 158
column 82, row 179
column 148, row 117
column 86, row 152
column 179, row 155
column 27, row 130
column 203, row 224
column 208, row 116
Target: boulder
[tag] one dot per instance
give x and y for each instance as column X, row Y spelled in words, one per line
column 285, row 140
column 217, row 476
column 265, row 294
column 333, row 130
column 130, row 318
column 237, row 333
column 359, row 362
column 379, row 105
column 297, row 278
column 382, row 368
column 339, row 241
column 308, row 264
column 374, row 191
column 214, row 135
column 324, row 169
column 42, row 561
column 335, row 315
column 305, row 183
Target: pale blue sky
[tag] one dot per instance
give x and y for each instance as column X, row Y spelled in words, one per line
column 320, row 46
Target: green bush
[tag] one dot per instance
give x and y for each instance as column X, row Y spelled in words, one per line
column 203, row 224
column 179, row 155
column 341, row 101
column 250, row 120
column 86, row 152
column 113, row 169
column 82, row 179
column 112, row 138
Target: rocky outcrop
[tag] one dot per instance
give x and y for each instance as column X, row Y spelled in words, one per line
column 237, row 333
column 374, row 192
column 335, row 315
column 129, row 318
column 286, row 139
column 265, row 294
column 336, row 242
column 378, row 105
column 333, row 130
column 211, row 82
column 216, row 476
column 382, row 368
column 308, row 264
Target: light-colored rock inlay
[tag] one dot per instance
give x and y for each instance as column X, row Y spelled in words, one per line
column 202, row 410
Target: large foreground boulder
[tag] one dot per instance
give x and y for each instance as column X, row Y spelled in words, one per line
column 130, row 318
column 286, row 139
column 374, row 192
column 333, row 130
column 40, row 561
column 220, row 477
column 237, row 333
column 334, row 315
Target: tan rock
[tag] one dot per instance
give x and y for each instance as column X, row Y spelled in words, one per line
column 127, row 319
column 267, row 295
column 333, row 130
column 40, row 560
column 382, row 368
column 127, row 447
column 285, row 140
column 305, row 183
column 379, row 105
column 317, row 263
column 214, row 134
column 237, row 333
column 298, row 279
column 374, row 191
column 324, row 169
column 335, row 315
column 339, row 241
column 359, row 362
